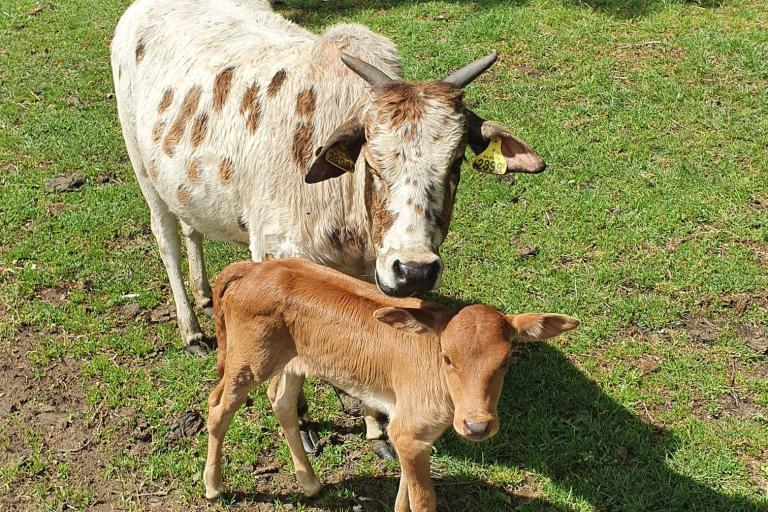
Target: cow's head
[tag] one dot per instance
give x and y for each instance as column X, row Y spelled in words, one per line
column 412, row 138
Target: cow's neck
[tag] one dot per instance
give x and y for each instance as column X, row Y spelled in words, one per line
column 351, row 238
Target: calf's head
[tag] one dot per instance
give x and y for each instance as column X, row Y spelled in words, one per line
column 476, row 345
column 412, row 138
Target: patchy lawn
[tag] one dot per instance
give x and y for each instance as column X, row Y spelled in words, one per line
column 651, row 225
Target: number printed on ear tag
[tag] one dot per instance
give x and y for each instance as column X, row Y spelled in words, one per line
column 491, row 160
column 338, row 157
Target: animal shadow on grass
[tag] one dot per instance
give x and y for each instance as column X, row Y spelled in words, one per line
column 457, row 493
column 304, row 11
column 557, row 422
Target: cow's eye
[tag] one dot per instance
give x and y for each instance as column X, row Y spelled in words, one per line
column 446, row 359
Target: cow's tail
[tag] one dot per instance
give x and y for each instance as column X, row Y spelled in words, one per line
column 228, row 276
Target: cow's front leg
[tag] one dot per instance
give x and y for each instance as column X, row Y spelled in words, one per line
column 198, row 277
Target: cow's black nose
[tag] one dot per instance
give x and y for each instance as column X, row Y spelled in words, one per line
column 412, row 277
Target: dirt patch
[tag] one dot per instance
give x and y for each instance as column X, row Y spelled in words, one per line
column 753, row 337
column 53, row 296
column 701, row 329
column 45, row 424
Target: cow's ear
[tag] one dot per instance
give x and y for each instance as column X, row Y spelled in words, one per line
column 339, row 153
column 517, row 155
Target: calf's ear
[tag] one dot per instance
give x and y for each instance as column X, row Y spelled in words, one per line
column 518, row 156
column 539, row 326
column 408, row 319
column 339, row 153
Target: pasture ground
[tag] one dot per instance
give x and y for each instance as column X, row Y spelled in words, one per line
column 651, row 225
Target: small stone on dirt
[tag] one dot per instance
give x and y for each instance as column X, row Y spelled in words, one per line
column 58, row 420
column 65, row 183
column 528, row 250
column 130, row 310
column 188, row 423
column 40, row 8
column 53, row 296
column 161, row 314
column 648, row 364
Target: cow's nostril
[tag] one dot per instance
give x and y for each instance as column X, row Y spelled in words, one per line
column 476, row 428
column 397, row 268
column 434, row 270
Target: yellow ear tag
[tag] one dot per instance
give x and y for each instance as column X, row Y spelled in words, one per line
column 491, row 160
column 337, row 156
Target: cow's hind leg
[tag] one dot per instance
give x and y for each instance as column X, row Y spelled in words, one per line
column 375, row 433
column 165, row 227
column 284, row 395
column 198, row 277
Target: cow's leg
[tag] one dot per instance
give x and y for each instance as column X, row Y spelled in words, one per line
column 165, row 227
column 198, row 278
column 375, row 433
column 284, row 395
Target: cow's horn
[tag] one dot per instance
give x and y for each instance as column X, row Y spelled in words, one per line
column 367, row 72
column 465, row 75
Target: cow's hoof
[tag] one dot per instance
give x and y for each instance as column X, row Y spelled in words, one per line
column 309, row 439
column 383, row 449
column 198, row 346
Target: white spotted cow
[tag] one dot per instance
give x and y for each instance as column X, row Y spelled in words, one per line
column 242, row 126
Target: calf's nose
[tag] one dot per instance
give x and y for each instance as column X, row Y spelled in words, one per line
column 476, row 428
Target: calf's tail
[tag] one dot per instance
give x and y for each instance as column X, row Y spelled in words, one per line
column 228, row 276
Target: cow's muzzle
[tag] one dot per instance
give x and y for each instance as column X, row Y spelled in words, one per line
column 411, row 278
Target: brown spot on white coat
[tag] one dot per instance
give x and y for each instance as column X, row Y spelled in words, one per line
column 276, row 83
column 221, row 86
column 187, row 109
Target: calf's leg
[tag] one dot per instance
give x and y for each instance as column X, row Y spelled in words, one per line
column 416, row 492
column 198, row 277
column 284, row 396
column 225, row 399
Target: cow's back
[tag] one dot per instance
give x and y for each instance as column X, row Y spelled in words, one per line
column 225, row 102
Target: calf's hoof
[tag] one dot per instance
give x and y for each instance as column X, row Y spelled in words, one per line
column 213, row 489
column 309, row 485
column 309, row 439
column 383, row 449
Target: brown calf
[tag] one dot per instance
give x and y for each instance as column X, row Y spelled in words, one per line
column 423, row 366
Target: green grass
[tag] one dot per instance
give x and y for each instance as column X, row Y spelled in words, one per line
column 651, row 221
